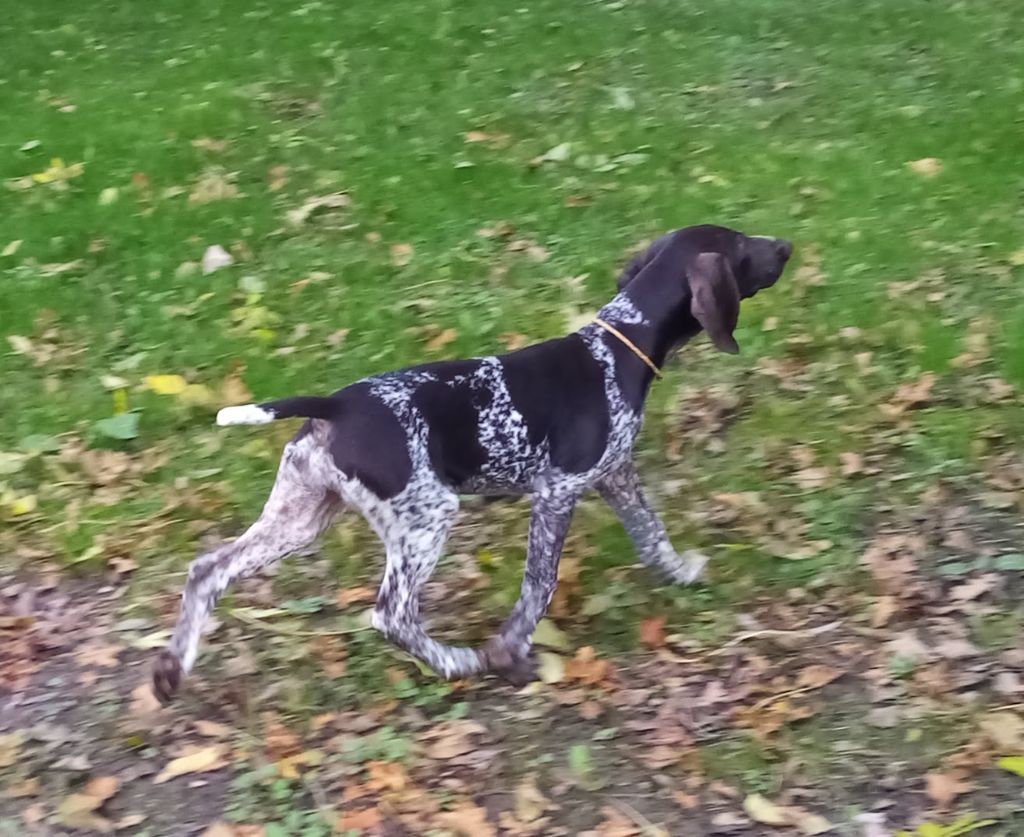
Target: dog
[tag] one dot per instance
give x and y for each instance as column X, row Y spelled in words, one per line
column 550, row 420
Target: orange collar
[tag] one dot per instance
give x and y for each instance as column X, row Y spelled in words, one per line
column 629, row 344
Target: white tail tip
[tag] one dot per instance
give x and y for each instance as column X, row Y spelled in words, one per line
column 245, row 414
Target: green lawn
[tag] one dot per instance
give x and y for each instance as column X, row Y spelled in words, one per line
column 499, row 162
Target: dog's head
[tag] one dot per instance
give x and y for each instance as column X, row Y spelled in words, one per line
column 720, row 267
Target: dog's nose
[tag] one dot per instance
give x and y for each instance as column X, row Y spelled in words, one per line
column 783, row 248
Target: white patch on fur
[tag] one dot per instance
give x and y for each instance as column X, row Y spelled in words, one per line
column 245, row 414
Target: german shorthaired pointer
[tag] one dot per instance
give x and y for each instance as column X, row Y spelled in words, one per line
column 550, row 420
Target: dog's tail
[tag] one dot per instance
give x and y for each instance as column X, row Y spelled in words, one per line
column 305, row 406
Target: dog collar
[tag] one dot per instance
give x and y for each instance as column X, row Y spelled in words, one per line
column 629, row 344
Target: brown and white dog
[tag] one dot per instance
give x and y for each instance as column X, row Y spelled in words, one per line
column 551, row 420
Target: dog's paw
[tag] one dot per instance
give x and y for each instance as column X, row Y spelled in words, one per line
column 689, row 567
column 166, row 676
column 515, row 668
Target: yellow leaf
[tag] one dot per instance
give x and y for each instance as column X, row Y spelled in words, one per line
column 24, row 505
column 1015, row 764
column 200, row 761
column 120, row 402
column 11, row 248
column 550, row 667
column 198, row 395
column 10, row 744
column 926, row 166
column 166, row 384
column 764, row 811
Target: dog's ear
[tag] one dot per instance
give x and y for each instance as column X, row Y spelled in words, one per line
column 715, row 299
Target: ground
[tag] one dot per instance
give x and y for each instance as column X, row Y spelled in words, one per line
column 208, row 203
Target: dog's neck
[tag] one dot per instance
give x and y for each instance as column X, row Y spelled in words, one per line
column 655, row 316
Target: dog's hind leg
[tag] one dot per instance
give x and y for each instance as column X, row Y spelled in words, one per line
column 622, row 491
column 414, row 529
column 295, row 515
column 549, row 524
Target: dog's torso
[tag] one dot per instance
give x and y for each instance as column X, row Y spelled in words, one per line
column 491, row 425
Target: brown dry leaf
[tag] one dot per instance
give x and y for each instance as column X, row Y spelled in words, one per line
column 387, row 776
column 319, row 203
column 452, row 739
column 10, row 748
column 586, row 668
column 852, row 463
column 79, row 810
column 512, row 340
column 652, row 632
column 617, row 824
column 198, row 761
column 401, row 254
column 816, row 676
column 30, row 787
column 764, row 811
column 352, row 595
column 208, row 144
column 233, row 390
column 468, row 819
column 943, row 788
column 143, row 701
column 926, row 166
column 1005, row 730
column 277, row 177
column 212, row 729
column 367, row 819
column 496, row 140
column 98, row 654
column 530, row 802
column 808, row 478
column 441, row 339
column 278, row 739
column 883, row 610
column 910, row 395
column 212, row 185
column 219, row 829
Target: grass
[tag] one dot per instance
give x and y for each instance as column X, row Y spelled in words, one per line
column 773, row 118
column 781, row 118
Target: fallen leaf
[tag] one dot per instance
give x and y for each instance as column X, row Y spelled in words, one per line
column 351, row 595
column 219, row 829
column 78, row 810
column 401, row 254
column 551, row 636
column 208, row 144
column 365, row 820
column 652, row 632
column 852, row 463
column 165, row 384
column 387, row 776
column 926, row 166
column 512, row 340
column 883, row 610
column 317, row 204
column 212, row 185
column 530, row 803
column 1015, row 764
column 144, row 702
column 469, row 820
column 441, row 339
column 550, row 667
column 10, row 748
column 234, row 391
column 943, row 788
column 764, row 811
column 586, row 668
column 816, row 676
column 11, row 248
column 199, row 761
column 1005, row 730
column 99, row 654
column 214, row 258
column 212, row 729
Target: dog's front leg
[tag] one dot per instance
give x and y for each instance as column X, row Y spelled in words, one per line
column 508, row 652
column 622, row 491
